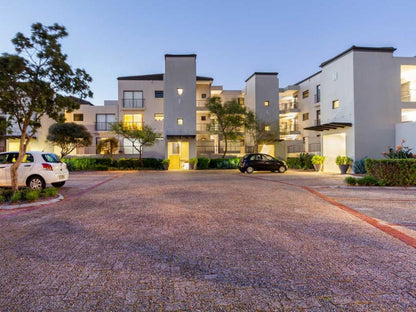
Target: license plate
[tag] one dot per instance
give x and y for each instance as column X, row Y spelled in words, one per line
column 61, row 177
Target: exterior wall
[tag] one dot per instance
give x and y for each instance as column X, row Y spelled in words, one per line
column 180, row 72
column 376, row 102
column 405, row 131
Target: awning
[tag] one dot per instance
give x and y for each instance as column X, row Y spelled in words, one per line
column 180, row 136
column 329, row 126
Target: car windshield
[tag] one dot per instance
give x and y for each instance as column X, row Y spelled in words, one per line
column 51, row 158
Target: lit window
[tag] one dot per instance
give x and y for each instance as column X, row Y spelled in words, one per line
column 305, row 94
column 159, row 94
column 267, row 128
column 305, row 116
column 78, row 117
column 241, row 100
column 132, row 121
column 266, row 103
column 180, row 91
column 408, row 115
column 159, row 116
column 335, row 104
column 408, row 83
column 180, row 121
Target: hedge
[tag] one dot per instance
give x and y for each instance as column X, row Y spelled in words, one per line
column 90, row 163
column 392, row 172
column 203, row 163
column 224, row 163
column 304, row 161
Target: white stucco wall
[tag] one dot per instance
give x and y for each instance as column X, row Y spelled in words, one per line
column 406, row 131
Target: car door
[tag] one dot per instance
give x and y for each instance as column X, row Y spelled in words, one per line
column 269, row 163
column 4, row 168
column 25, row 168
column 259, row 162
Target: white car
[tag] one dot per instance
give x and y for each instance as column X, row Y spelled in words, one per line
column 36, row 170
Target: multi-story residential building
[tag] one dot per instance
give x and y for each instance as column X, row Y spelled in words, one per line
column 360, row 102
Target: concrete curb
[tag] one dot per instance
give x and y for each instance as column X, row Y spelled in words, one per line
column 34, row 204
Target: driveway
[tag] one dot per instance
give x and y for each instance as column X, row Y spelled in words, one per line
column 195, row 240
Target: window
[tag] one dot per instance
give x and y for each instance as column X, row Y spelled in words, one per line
column 203, row 118
column 266, row 103
column 241, row 100
column 133, row 99
column 180, row 121
column 305, row 116
column 335, row 104
column 132, row 121
column 408, row 115
column 408, row 83
column 203, row 95
column 175, row 148
column 159, row 116
column 159, row 94
column 318, row 93
column 305, row 94
column 103, row 122
column 266, row 128
column 28, row 158
column 78, row 117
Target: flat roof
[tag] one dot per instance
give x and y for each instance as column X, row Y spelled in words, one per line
column 262, row 73
column 307, row 78
column 362, row 49
column 158, row 77
column 180, row 55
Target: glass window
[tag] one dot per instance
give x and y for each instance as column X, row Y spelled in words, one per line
column 305, row 116
column 203, row 95
column 132, row 121
column 78, row 117
column 133, row 99
column 28, row 158
column 305, row 94
column 266, row 128
column 203, row 118
column 241, row 100
column 158, row 94
column 408, row 83
column 104, row 121
column 266, row 103
column 335, row 104
column 318, row 93
column 175, row 148
column 159, row 116
column 3, row 158
column 408, row 115
column 180, row 121
column 52, row 158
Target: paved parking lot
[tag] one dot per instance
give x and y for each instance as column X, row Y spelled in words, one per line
column 208, row 241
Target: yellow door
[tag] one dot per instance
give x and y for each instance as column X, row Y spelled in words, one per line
column 178, row 154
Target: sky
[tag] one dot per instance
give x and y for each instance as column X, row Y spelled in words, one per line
column 232, row 39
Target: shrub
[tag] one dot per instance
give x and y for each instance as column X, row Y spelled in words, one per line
column 16, row 196
column 294, row 162
column 49, row 192
column 401, row 152
column 394, row 172
column 304, row 161
column 367, row 181
column 2, row 199
column 193, row 161
column 351, row 181
column 152, row 163
column 359, row 166
column 343, row 160
column 101, row 167
column 203, row 163
column 104, row 161
column 31, row 195
column 318, row 159
column 224, row 163
column 128, row 163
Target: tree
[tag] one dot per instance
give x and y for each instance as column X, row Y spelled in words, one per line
column 231, row 119
column 108, row 146
column 36, row 81
column 69, row 136
column 138, row 136
column 263, row 133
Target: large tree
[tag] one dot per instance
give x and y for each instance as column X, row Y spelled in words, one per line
column 230, row 120
column 69, row 136
column 36, row 81
column 138, row 136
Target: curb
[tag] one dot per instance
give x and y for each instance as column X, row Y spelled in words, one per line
column 34, row 204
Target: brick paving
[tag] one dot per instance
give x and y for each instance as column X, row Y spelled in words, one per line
column 207, row 241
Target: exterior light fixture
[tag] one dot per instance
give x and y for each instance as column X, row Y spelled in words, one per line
column 180, row 91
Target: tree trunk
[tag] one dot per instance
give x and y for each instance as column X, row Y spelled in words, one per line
column 140, row 156
column 24, row 140
column 225, row 147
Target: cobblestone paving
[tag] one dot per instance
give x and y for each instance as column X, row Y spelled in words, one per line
column 207, row 241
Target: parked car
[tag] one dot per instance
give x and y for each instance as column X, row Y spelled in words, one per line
column 36, row 170
column 261, row 162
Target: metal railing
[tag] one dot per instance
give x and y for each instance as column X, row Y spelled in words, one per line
column 286, row 107
column 292, row 128
column 295, row 149
column 201, row 103
column 202, row 127
column 133, row 103
column 103, row 126
column 314, row 147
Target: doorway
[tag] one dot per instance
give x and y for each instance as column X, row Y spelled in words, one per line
column 178, row 155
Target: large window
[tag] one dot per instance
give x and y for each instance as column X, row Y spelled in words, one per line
column 408, row 115
column 305, row 94
column 318, row 94
column 104, row 121
column 132, row 121
column 78, row 117
column 408, row 83
column 133, row 99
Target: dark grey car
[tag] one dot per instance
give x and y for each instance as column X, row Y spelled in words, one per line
column 261, row 162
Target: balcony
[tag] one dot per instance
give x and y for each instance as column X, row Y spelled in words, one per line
column 133, row 103
column 103, row 126
column 294, row 129
column 201, row 105
column 202, row 127
column 287, row 108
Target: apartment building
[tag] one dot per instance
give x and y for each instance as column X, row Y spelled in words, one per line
column 362, row 101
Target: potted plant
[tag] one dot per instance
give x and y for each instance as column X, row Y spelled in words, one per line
column 317, row 161
column 193, row 162
column 344, row 163
column 165, row 164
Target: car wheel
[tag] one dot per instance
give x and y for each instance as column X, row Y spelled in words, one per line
column 36, row 182
column 58, row 184
column 249, row 169
column 282, row 169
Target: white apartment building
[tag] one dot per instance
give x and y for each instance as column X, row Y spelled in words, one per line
column 360, row 102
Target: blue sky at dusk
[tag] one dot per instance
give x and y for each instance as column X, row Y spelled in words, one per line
column 232, row 39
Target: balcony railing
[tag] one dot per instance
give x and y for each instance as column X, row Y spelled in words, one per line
column 291, row 130
column 133, row 103
column 314, row 147
column 103, row 126
column 203, row 127
column 295, row 149
column 201, row 103
column 285, row 108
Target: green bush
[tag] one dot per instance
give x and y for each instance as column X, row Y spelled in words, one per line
column 393, row 172
column 343, row 160
column 318, row 159
column 49, row 192
column 31, row 195
column 359, row 166
column 203, row 163
column 128, row 163
column 193, row 161
column 104, row 161
column 101, row 167
column 224, row 163
column 294, row 162
column 367, row 181
column 16, row 196
column 152, row 163
column 304, row 161
column 351, row 181
column 2, row 199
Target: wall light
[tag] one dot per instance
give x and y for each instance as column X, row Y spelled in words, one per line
column 180, row 91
